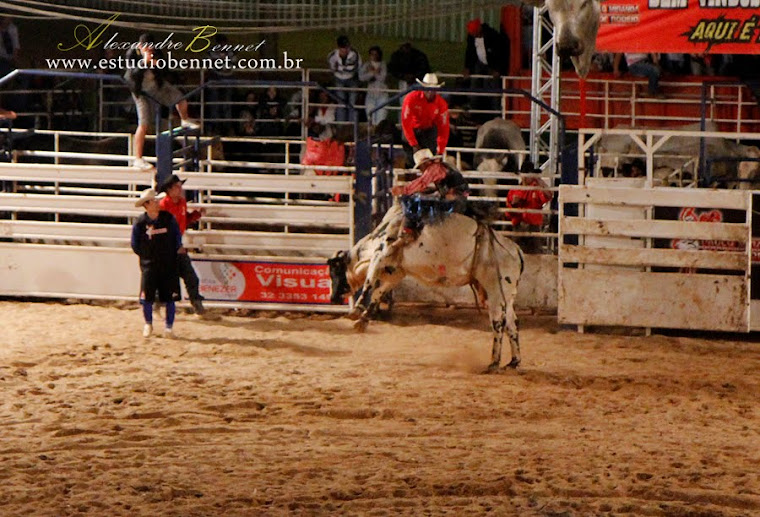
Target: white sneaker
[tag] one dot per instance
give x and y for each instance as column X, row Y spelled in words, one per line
column 169, row 332
column 140, row 163
column 190, row 124
column 147, row 330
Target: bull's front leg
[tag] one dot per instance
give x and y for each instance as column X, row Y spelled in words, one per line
column 385, row 278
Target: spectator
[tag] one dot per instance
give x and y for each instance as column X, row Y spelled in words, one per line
column 701, row 64
column 271, row 113
column 247, row 125
column 247, row 115
column 251, row 104
column 374, row 73
column 726, row 65
column 487, row 53
column 601, row 62
column 220, row 97
column 144, row 81
column 9, row 45
column 156, row 240
column 425, row 119
column 322, row 117
column 407, row 64
column 345, row 62
column 675, row 63
column 533, row 199
column 7, row 114
column 642, row 65
column 293, row 118
column 174, row 202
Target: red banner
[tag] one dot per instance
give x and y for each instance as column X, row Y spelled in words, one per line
column 680, row 26
column 264, row 282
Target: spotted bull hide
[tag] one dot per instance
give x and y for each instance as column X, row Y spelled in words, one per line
column 576, row 24
column 455, row 252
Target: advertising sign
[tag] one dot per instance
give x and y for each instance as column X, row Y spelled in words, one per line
column 263, row 282
column 680, row 26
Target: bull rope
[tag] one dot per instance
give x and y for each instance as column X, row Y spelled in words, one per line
column 478, row 234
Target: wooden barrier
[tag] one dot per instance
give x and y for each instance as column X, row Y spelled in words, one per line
column 67, row 235
column 679, row 284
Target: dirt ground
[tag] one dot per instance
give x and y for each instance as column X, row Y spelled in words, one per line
column 302, row 416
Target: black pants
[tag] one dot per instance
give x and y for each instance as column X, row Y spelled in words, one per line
column 162, row 280
column 426, row 138
column 187, row 273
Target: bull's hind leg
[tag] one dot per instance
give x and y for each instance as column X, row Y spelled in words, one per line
column 513, row 335
column 498, row 313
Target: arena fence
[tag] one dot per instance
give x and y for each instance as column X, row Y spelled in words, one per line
column 655, row 257
column 682, row 158
column 262, row 242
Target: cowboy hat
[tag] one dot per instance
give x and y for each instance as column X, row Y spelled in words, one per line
column 169, row 182
column 423, row 156
column 430, row 81
column 149, row 195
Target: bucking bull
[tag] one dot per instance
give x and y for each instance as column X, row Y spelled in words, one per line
column 453, row 251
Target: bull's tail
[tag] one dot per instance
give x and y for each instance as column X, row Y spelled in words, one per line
column 495, row 238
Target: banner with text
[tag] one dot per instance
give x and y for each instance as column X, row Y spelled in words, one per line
column 263, row 282
column 680, row 26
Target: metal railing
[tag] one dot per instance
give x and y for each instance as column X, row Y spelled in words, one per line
column 608, row 102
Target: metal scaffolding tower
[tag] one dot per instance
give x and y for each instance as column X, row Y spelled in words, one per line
column 545, row 85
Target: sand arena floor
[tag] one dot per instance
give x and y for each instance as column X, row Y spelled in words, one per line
column 302, row 416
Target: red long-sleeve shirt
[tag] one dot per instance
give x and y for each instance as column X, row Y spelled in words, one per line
column 419, row 113
column 532, row 199
column 179, row 211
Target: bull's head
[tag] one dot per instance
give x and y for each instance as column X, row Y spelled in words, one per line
column 339, row 287
column 576, row 24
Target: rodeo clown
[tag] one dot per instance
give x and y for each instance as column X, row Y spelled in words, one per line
column 156, row 240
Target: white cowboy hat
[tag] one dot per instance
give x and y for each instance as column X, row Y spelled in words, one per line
column 423, row 156
column 149, row 195
column 430, row 81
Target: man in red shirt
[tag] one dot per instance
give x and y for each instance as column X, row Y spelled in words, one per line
column 533, row 199
column 425, row 117
column 175, row 204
